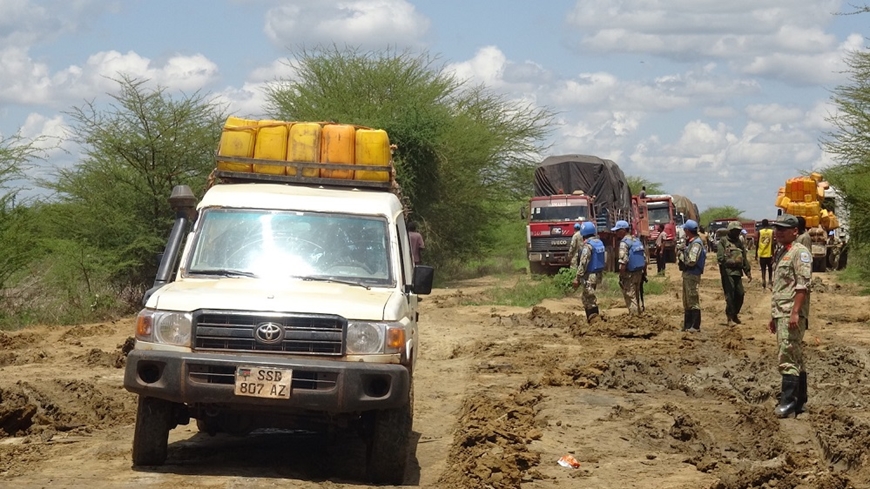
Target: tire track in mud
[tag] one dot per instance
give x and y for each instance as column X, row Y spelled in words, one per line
column 705, row 401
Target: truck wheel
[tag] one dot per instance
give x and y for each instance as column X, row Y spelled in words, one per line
column 536, row 268
column 154, row 419
column 387, row 450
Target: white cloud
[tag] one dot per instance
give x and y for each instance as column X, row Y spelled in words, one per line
column 487, row 67
column 27, row 22
column 782, row 39
column 369, row 24
column 775, row 114
column 29, row 82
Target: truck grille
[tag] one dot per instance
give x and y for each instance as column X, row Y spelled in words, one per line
column 300, row 334
column 551, row 243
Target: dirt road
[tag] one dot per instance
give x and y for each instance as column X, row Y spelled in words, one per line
column 501, row 394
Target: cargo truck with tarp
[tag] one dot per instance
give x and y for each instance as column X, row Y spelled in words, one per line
column 571, row 189
column 286, row 297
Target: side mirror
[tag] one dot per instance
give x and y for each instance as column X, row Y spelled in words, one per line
column 422, row 281
column 524, row 214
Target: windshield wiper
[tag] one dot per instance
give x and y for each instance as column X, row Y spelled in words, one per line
column 225, row 273
column 334, row 280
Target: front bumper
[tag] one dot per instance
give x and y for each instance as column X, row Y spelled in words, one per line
column 318, row 385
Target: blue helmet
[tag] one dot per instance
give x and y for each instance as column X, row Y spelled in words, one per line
column 576, row 226
column 587, row 229
column 691, row 225
column 620, row 225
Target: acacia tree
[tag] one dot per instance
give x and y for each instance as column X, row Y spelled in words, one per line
column 849, row 143
column 722, row 212
column 463, row 151
column 134, row 149
column 635, row 184
column 15, row 240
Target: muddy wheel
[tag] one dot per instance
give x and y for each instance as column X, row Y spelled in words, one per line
column 387, row 450
column 151, row 435
column 208, row 426
column 536, row 268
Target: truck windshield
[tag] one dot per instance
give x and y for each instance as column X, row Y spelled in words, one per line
column 659, row 214
column 560, row 213
column 284, row 244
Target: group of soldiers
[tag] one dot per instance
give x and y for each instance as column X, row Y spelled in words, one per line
column 789, row 267
column 588, row 256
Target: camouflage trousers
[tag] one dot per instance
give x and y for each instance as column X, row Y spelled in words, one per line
column 590, row 283
column 791, row 353
column 631, row 283
column 732, row 285
column 691, row 298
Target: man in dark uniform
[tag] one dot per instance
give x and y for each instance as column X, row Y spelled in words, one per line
column 731, row 256
column 792, row 273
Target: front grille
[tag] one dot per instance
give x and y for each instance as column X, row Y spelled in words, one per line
column 551, row 244
column 226, row 374
column 302, row 334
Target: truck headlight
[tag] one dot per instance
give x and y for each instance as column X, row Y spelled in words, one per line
column 375, row 337
column 164, row 327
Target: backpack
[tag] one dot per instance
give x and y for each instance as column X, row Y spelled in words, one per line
column 636, row 255
column 733, row 255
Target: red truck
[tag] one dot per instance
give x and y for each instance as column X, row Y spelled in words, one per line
column 662, row 211
column 572, row 189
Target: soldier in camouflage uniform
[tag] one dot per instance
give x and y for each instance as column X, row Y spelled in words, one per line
column 629, row 281
column 576, row 242
column 590, row 264
column 691, row 261
column 792, row 271
column 733, row 264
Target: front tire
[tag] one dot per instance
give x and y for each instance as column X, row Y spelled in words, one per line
column 154, row 419
column 388, row 444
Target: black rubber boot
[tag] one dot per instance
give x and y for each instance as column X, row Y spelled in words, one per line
column 788, row 401
column 696, row 319
column 592, row 314
column 687, row 320
column 801, row 393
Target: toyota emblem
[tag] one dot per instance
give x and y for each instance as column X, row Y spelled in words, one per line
column 269, row 333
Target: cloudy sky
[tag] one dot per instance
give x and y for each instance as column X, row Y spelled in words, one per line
column 720, row 101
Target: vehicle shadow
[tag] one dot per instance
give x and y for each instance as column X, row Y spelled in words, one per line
column 277, row 454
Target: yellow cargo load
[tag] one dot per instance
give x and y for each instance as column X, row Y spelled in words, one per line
column 304, row 146
column 271, row 144
column 237, row 139
column 372, row 148
column 320, row 153
column 337, row 145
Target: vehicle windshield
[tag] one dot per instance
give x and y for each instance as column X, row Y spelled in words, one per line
column 560, row 213
column 285, row 244
column 659, row 215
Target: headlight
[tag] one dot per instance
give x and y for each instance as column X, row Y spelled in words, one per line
column 375, row 337
column 164, row 327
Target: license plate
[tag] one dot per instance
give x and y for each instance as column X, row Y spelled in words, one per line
column 272, row 383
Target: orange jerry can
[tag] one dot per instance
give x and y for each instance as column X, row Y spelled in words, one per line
column 372, row 148
column 237, row 139
column 337, row 147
